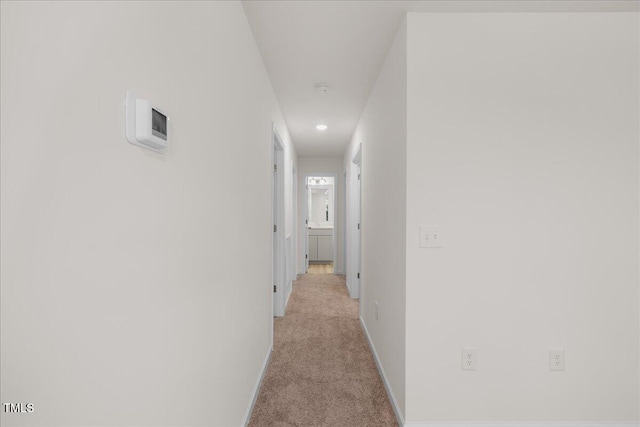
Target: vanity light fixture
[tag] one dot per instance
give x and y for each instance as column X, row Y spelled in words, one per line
column 317, row 180
column 321, row 126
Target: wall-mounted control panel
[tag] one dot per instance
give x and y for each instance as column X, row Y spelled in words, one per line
column 147, row 125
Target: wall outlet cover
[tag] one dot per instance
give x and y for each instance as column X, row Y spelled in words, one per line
column 430, row 236
column 469, row 359
column 556, row 359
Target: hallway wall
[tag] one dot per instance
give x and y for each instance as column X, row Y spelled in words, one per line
column 524, row 150
column 318, row 166
column 126, row 297
column 382, row 133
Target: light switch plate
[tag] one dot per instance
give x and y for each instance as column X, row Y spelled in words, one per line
column 430, row 236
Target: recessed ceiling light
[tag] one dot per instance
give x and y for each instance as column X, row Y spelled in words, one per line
column 321, row 127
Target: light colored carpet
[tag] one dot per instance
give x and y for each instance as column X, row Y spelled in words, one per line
column 322, row 372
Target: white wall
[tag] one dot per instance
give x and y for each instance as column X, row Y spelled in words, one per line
column 321, row 166
column 126, row 297
column 522, row 144
column 382, row 133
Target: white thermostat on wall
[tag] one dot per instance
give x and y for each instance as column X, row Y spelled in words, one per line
column 147, row 126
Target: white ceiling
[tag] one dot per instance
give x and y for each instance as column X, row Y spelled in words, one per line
column 344, row 44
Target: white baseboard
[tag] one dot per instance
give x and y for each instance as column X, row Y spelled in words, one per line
column 522, row 424
column 350, row 291
column 286, row 301
column 387, row 386
column 256, row 389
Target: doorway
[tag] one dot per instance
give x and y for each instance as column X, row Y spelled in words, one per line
column 354, row 224
column 279, row 255
column 320, row 224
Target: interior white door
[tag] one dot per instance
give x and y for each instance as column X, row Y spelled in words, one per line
column 274, row 239
column 279, row 248
column 307, row 248
column 355, row 226
column 294, row 235
column 358, row 230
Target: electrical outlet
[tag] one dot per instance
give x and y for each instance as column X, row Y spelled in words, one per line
column 430, row 236
column 469, row 359
column 556, row 359
column 376, row 303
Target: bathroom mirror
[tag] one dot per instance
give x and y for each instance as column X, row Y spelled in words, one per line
column 320, row 201
column 319, row 205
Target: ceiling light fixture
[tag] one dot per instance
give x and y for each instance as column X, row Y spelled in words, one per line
column 321, row 127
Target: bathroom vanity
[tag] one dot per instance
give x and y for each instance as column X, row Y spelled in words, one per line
column 320, row 199
column 320, row 244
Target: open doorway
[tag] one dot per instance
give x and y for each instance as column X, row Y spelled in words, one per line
column 281, row 288
column 320, row 239
column 354, row 226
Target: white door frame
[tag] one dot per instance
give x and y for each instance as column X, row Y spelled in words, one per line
column 334, row 244
column 279, row 250
column 344, row 231
column 294, row 219
column 355, row 225
column 307, row 199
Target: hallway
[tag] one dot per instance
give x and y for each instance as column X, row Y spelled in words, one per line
column 320, row 213
column 321, row 372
